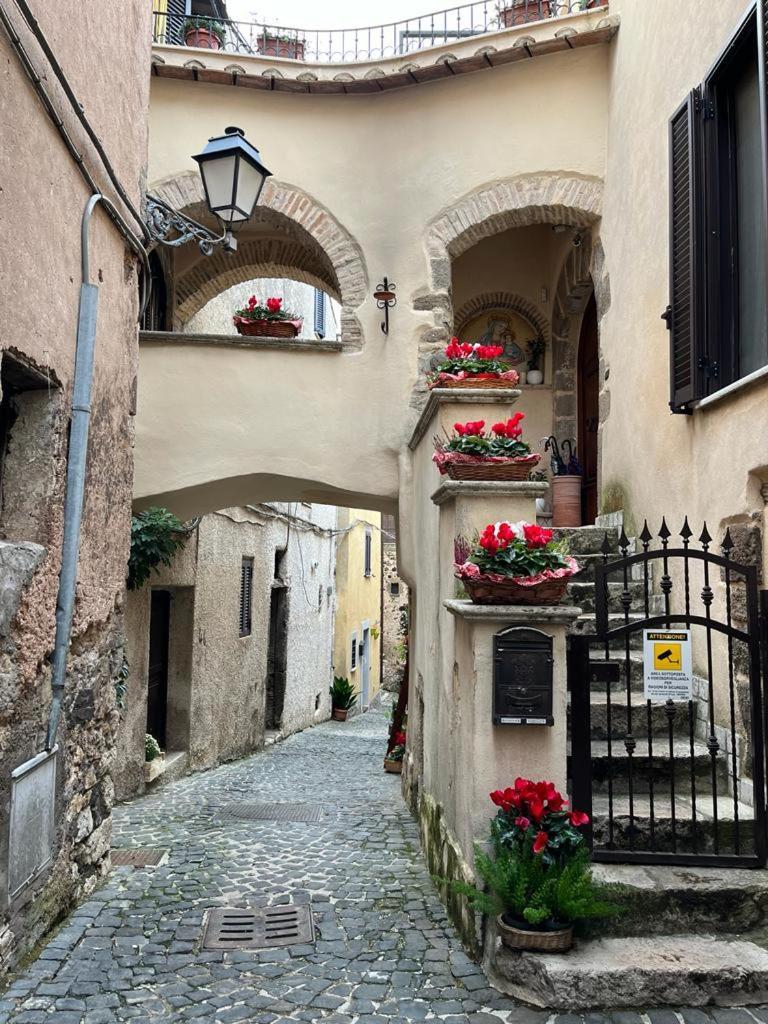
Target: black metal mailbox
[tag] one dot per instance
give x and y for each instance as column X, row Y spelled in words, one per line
column 522, row 677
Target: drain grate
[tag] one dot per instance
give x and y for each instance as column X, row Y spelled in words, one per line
column 244, row 811
column 143, row 858
column 284, row 925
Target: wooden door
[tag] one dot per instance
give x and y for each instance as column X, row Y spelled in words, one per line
column 157, row 682
column 588, row 391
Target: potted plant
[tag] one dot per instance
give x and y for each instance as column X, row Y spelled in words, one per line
column 519, row 12
column 276, row 44
column 473, row 366
column 536, row 350
column 393, row 759
column 538, row 880
column 204, row 33
column 515, row 563
column 154, row 759
column 471, row 453
column 267, row 321
column 566, row 481
column 343, row 698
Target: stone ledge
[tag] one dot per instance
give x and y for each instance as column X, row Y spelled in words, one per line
column 238, row 341
column 555, row 613
column 673, row 970
column 461, row 396
column 450, row 490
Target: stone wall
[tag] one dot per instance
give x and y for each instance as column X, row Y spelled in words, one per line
column 44, row 196
column 394, row 620
column 217, row 685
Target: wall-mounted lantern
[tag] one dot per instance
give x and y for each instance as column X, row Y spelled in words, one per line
column 385, row 299
column 522, row 677
column 233, row 178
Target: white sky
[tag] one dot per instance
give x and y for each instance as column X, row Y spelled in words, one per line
column 311, row 14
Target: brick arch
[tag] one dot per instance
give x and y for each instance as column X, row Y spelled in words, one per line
column 490, row 210
column 501, row 300
column 330, row 254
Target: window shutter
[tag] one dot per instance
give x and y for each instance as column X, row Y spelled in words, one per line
column 177, row 15
column 246, row 596
column 762, row 51
column 319, row 313
column 684, row 315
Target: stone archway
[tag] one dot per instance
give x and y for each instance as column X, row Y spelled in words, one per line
column 487, row 211
column 316, row 249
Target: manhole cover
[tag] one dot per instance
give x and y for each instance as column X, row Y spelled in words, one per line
column 284, row 925
column 270, row 812
column 122, row 857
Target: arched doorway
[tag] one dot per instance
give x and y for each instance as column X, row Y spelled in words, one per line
column 588, row 388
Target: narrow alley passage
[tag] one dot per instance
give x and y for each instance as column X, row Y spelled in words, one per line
column 384, row 950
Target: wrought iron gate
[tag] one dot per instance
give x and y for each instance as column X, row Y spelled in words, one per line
column 675, row 781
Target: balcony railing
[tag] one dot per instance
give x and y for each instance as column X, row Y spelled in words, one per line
column 374, row 42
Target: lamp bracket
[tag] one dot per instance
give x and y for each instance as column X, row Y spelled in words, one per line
column 167, row 226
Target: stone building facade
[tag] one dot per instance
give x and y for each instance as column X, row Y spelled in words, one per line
column 231, row 644
column 50, row 858
column 394, row 604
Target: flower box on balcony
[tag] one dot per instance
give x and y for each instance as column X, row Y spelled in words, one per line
column 266, row 321
column 278, row 46
column 521, row 12
column 204, row 34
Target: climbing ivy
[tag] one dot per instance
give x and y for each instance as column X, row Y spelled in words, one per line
column 156, row 536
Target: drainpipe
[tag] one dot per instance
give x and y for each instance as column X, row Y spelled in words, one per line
column 76, row 464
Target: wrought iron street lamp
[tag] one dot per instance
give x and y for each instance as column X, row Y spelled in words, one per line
column 233, row 177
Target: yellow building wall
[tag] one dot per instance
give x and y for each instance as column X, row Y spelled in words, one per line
column 358, row 598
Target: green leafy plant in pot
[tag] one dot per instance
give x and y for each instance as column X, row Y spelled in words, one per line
column 538, row 879
column 343, row 698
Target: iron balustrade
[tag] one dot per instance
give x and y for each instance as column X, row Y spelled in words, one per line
column 373, row 42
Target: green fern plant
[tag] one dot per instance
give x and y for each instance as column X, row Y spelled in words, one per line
column 521, row 885
column 343, row 694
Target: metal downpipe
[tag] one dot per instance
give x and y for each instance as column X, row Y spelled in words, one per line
column 76, row 465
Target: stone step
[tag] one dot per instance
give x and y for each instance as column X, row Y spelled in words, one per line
column 586, row 625
column 730, row 835
column 582, row 594
column 674, row 970
column 617, row 765
column 588, row 560
column 661, row 900
column 620, row 717
column 588, row 540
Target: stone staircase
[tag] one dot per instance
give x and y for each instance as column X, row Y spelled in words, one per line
column 686, row 936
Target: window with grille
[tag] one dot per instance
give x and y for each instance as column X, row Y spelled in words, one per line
column 368, row 570
column 717, row 316
column 319, row 313
column 353, row 654
column 246, row 596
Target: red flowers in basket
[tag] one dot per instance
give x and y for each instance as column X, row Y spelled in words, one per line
column 511, row 429
column 272, row 309
column 535, row 815
column 524, row 552
column 464, row 361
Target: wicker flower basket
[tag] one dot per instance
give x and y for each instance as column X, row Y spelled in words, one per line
column 485, row 469
column 393, row 767
column 510, row 592
column 538, row 942
column 267, row 328
column 476, row 383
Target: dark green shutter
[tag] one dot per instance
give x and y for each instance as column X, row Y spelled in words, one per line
column 685, row 316
column 762, row 50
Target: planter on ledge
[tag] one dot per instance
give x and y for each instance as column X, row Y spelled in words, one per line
column 267, row 328
column 202, row 39
column 392, row 766
column 521, row 12
column 465, row 467
column 272, row 46
column 339, row 715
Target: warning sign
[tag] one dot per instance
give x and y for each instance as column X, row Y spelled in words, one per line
column 667, row 664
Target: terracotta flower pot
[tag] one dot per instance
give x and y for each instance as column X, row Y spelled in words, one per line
column 566, row 501
column 520, row 12
column 202, row 38
column 559, row 941
column 394, row 767
column 271, row 46
column 339, row 715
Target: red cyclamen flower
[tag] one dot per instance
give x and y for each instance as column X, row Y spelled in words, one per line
column 253, row 301
column 273, row 305
column 579, row 818
column 523, row 822
column 540, row 842
column 537, row 536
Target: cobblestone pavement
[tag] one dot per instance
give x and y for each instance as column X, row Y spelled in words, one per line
column 384, row 950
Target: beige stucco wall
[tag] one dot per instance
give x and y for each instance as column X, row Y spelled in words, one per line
column 355, row 452
column 43, row 199
column 358, row 598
